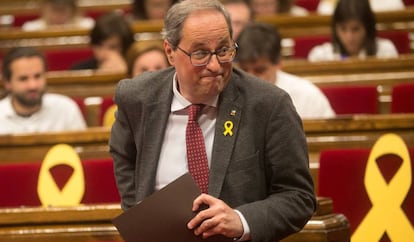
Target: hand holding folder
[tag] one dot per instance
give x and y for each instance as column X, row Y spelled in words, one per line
column 163, row 216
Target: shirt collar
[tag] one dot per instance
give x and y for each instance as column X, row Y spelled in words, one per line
column 180, row 103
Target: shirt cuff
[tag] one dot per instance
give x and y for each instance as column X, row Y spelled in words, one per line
column 246, row 229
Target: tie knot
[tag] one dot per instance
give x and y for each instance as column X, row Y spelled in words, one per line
column 193, row 111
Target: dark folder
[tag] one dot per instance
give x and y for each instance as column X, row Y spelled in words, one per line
column 163, row 216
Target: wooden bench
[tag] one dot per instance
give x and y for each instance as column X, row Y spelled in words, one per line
column 92, row 223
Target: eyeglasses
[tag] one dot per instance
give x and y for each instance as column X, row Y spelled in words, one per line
column 203, row 57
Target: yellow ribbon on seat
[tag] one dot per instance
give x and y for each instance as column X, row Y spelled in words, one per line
column 109, row 116
column 386, row 214
column 47, row 189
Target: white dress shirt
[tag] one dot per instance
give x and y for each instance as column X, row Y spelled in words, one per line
column 57, row 113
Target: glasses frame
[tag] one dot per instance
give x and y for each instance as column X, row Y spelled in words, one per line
column 189, row 54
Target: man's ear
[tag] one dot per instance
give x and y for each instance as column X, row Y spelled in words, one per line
column 169, row 52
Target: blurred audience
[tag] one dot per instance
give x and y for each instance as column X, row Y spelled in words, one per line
column 110, row 39
column 327, row 6
column 272, row 7
column 241, row 14
column 259, row 54
column 27, row 108
column 146, row 55
column 151, row 9
column 58, row 14
column 354, row 34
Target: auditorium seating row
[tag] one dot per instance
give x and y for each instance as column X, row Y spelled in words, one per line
column 26, row 10
column 337, row 173
column 300, row 35
column 349, row 91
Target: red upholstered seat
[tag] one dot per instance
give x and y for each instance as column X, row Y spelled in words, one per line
column 304, row 44
column 352, row 99
column 19, row 183
column 403, row 98
column 20, row 19
column 408, row 2
column 341, row 177
column 310, row 5
column 64, row 58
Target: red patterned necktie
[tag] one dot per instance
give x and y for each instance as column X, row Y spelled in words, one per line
column 196, row 149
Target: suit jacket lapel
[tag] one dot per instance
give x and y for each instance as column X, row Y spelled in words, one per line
column 229, row 110
column 156, row 116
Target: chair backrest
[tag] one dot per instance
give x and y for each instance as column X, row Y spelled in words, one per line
column 352, row 99
column 310, row 5
column 408, row 2
column 304, row 44
column 400, row 39
column 402, row 100
column 63, row 58
column 19, row 181
column 343, row 177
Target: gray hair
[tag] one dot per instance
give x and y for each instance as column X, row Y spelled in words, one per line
column 179, row 12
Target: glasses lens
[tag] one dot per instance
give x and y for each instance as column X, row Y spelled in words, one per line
column 226, row 55
column 201, row 58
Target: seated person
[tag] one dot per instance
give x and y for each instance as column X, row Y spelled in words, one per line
column 110, row 39
column 146, row 55
column 241, row 14
column 59, row 13
column 259, row 54
column 27, row 107
column 272, row 7
column 354, row 34
column 150, row 9
column 327, row 6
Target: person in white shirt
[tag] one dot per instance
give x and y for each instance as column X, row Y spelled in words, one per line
column 326, row 7
column 58, row 14
column 259, row 54
column 27, row 108
column 354, row 34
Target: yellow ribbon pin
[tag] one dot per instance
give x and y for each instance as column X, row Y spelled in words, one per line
column 386, row 214
column 228, row 126
column 47, row 189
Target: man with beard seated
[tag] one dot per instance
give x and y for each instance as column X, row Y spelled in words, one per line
column 27, row 108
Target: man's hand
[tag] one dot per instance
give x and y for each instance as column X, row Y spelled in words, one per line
column 218, row 218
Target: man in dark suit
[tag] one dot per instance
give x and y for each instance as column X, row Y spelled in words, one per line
column 260, row 188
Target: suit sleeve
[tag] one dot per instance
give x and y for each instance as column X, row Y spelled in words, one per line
column 291, row 201
column 123, row 150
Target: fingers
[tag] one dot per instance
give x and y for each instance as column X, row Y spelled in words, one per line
column 218, row 218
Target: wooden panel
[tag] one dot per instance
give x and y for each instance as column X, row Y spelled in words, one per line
column 93, row 223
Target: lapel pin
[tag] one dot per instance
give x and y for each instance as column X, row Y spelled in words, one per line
column 233, row 113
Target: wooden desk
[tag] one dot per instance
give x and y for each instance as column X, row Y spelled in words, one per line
column 91, row 143
column 351, row 66
column 92, row 223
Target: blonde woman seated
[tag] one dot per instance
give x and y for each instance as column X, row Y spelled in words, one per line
column 354, row 34
column 146, row 55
